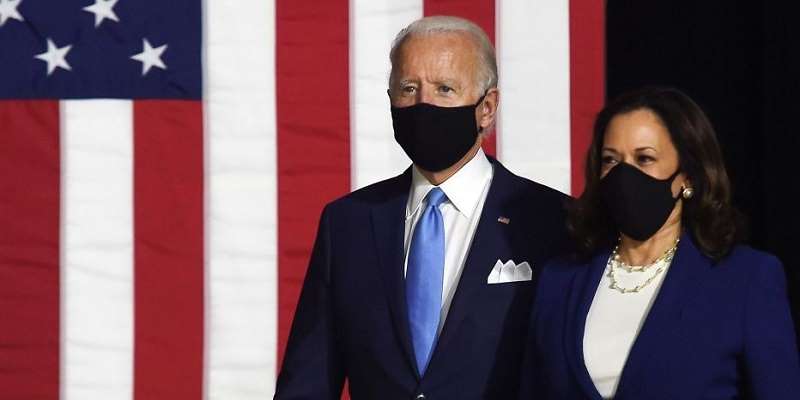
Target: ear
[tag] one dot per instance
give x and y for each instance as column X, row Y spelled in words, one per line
column 686, row 183
column 486, row 112
column 685, row 190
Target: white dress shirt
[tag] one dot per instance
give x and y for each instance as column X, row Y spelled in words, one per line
column 466, row 193
column 613, row 323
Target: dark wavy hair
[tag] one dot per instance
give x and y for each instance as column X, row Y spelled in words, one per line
column 715, row 225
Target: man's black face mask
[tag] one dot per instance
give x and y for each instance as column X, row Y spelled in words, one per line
column 434, row 137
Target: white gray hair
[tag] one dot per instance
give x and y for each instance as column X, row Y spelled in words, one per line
column 487, row 69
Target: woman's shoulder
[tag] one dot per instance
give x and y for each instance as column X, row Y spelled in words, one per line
column 748, row 257
column 758, row 267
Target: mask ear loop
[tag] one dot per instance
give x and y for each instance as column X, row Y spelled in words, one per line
column 480, row 100
column 672, row 179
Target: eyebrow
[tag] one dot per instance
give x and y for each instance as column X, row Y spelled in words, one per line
column 446, row 81
column 438, row 81
column 609, row 149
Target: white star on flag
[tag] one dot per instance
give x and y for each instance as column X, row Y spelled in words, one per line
column 150, row 57
column 102, row 9
column 55, row 57
column 8, row 10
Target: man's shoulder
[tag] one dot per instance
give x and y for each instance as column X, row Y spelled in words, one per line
column 537, row 193
column 541, row 191
column 373, row 194
column 540, row 210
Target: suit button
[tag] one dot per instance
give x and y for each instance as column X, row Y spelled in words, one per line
column 420, row 397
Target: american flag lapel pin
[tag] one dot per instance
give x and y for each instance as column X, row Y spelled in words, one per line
column 503, row 220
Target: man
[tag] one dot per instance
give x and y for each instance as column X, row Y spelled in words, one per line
column 419, row 286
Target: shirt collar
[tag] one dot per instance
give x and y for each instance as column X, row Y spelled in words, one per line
column 463, row 189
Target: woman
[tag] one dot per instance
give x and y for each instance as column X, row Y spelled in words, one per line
column 664, row 304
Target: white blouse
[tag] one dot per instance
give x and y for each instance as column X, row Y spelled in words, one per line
column 614, row 321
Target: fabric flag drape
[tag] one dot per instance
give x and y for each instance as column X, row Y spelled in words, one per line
column 163, row 166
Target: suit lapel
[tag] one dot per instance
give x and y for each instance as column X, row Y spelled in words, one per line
column 582, row 292
column 687, row 268
column 388, row 224
column 489, row 242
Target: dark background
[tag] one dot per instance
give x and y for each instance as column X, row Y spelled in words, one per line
column 740, row 60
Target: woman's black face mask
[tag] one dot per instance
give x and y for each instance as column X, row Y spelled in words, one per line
column 638, row 204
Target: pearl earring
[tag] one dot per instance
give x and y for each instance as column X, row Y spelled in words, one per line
column 687, row 193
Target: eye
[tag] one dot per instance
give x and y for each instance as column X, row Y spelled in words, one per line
column 644, row 159
column 608, row 160
column 445, row 89
column 408, row 89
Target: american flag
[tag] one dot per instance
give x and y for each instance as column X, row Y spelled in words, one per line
column 163, row 165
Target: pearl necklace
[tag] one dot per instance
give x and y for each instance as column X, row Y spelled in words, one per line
column 615, row 261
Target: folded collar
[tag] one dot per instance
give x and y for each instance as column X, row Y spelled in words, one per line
column 463, row 189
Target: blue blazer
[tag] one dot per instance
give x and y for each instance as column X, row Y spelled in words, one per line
column 351, row 320
column 714, row 331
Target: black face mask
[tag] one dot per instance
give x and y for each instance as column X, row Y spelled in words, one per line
column 434, row 137
column 638, row 204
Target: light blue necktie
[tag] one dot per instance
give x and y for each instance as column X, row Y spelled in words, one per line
column 424, row 275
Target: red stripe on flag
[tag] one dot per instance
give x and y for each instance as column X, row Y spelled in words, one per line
column 168, row 250
column 587, row 78
column 481, row 12
column 312, row 101
column 29, row 249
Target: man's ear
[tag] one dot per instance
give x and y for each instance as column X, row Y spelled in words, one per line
column 486, row 112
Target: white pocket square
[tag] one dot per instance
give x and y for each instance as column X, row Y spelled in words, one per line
column 510, row 272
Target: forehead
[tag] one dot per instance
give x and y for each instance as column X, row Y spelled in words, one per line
column 637, row 129
column 427, row 55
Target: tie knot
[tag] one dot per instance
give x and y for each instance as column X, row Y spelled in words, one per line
column 436, row 197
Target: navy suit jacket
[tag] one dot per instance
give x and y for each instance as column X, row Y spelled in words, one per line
column 715, row 331
column 351, row 319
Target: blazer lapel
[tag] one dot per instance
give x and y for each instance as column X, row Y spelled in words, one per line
column 388, row 224
column 489, row 242
column 683, row 274
column 582, row 292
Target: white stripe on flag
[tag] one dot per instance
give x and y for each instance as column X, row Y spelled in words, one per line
column 373, row 25
column 533, row 51
column 241, row 173
column 97, row 250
